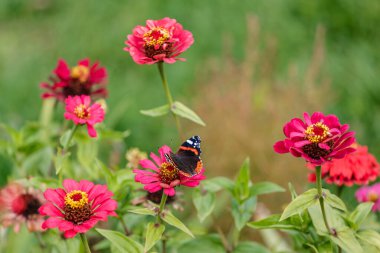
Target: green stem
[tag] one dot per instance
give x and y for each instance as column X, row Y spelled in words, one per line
column 162, row 205
column 320, row 195
column 66, row 146
column 169, row 96
column 85, row 243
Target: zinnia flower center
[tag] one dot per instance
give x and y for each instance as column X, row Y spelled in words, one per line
column 81, row 73
column 317, row 132
column 168, row 173
column 77, row 209
column 82, row 111
column 373, row 196
column 26, row 205
column 156, row 36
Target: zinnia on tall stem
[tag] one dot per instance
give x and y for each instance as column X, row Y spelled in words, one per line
column 159, row 40
column 81, row 112
column 82, row 79
column 77, row 207
column 317, row 139
column 19, row 205
column 159, row 174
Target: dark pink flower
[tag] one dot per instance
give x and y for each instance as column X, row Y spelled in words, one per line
column 359, row 167
column 80, row 110
column 369, row 194
column 81, row 79
column 160, row 174
column 20, row 205
column 317, row 139
column 78, row 207
column 160, row 40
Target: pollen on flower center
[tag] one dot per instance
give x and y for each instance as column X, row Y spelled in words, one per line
column 76, row 199
column 317, row 132
column 168, row 173
column 80, row 72
column 372, row 196
column 82, row 111
column 156, row 36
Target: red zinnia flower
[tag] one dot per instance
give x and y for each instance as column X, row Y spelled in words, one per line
column 20, row 205
column 82, row 79
column 369, row 194
column 159, row 40
column 162, row 175
column 359, row 167
column 78, row 207
column 319, row 139
column 79, row 110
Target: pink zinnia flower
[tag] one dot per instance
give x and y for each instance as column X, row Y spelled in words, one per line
column 359, row 167
column 162, row 175
column 20, row 205
column 319, row 139
column 81, row 79
column 78, row 207
column 159, row 40
column 80, row 110
column 369, row 194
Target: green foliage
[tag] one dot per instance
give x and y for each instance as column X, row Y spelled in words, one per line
column 121, row 242
column 185, row 112
column 249, row 247
column 154, row 233
column 169, row 218
column 204, row 202
column 156, row 112
column 207, row 243
column 300, row 203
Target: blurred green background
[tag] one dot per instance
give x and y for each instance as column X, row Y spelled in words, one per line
column 34, row 34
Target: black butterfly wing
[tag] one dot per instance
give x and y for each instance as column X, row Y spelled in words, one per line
column 189, row 165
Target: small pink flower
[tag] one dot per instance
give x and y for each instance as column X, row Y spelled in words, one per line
column 162, row 175
column 160, row 40
column 78, row 109
column 359, row 167
column 81, row 79
column 319, row 139
column 369, row 194
column 78, row 207
column 20, row 205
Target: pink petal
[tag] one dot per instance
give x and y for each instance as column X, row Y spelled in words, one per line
column 70, row 185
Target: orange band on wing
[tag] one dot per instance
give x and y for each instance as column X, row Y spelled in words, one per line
column 190, row 149
column 199, row 167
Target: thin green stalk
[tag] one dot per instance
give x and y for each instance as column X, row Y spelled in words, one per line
column 66, row 146
column 169, row 96
column 162, row 205
column 85, row 243
column 321, row 199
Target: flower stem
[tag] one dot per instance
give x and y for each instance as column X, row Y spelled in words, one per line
column 162, row 205
column 169, row 96
column 320, row 196
column 85, row 243
column 72, row 132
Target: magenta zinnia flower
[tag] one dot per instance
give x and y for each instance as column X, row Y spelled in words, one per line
column 359, row 167
column 369, row 194
column 20, row 205
column 159, row 40
column 162, row 175
column 81, row 79
column 319, row 139
column 78, row 207
column 80, row 110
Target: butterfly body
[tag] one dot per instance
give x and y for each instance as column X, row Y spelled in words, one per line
column 187, row 159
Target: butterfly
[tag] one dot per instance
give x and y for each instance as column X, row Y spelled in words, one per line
column 187, row 159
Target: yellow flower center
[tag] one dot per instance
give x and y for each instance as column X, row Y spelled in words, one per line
column 81, row 73
column 82, row 112
column 156, row 36
column 76, row 199
column 168, row 173
column 372, row 196
column 317, row 132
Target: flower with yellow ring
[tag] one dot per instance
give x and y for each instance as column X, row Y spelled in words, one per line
column 76, row 199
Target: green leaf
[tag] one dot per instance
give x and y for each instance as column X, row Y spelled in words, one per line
column 292, row 191
column 250, row 247
column 333, row 200
column 242, row 212
column 346, row 240
column 333, row 216
column 183, row 111
column 65, row 137
column 265, row 188
column 143, row 211
column 156, row 112
column 60, row 160
column 218, row 183
column 273, row 222
column 204, row 202
column 300, row 203
column 370, row 237
column 154, row 233
column 123, row 243
column 206, row 244
column 242, row 182
column 360, row 213
column 169, row 218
